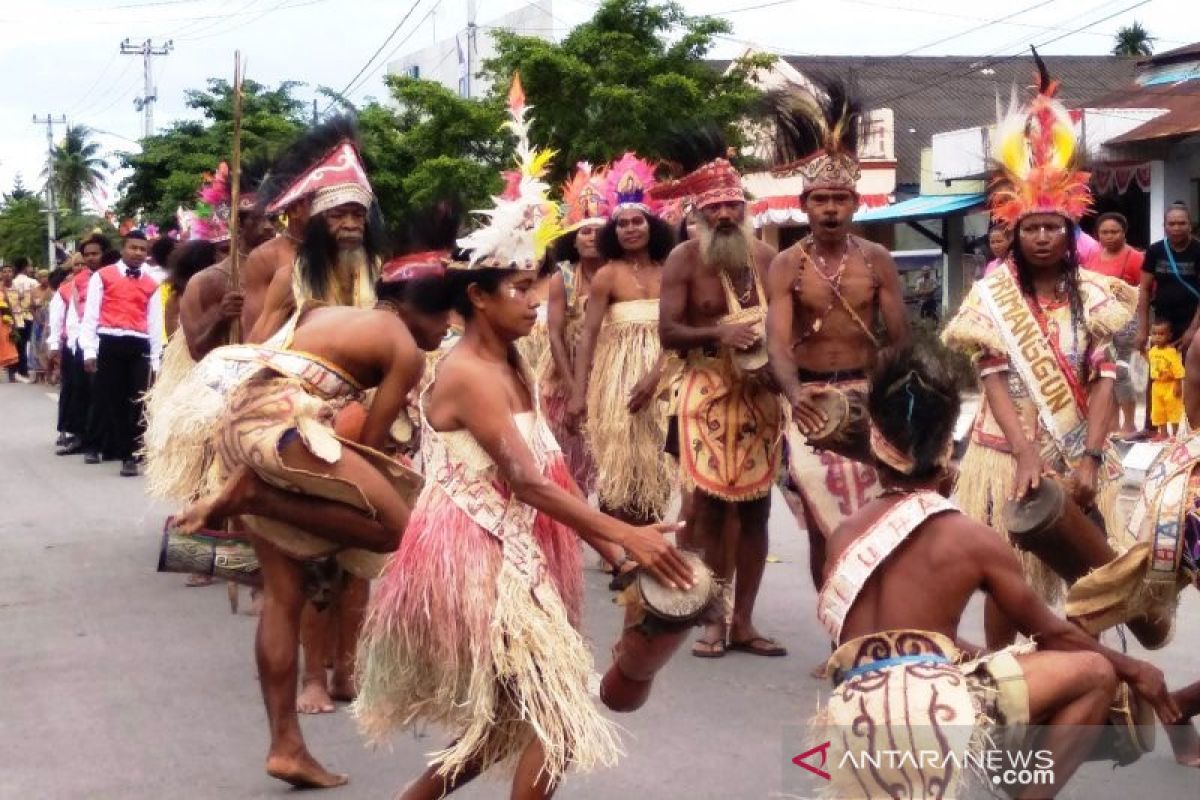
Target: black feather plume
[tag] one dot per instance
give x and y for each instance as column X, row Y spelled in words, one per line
column 434, row 227
column 1043, row 72
column 688, row 149
column 829, row 118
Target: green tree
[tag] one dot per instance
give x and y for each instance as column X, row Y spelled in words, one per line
column 621, row 80
column 167, row 172
column 1133, row 41
column 78, row 168
column 23, row 228
column 18, row 192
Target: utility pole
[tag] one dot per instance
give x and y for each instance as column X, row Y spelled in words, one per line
column 471, row 31
column 145, row 103
column 51, row 203
column 315, row 117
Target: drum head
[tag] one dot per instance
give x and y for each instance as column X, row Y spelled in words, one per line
column 678, row 605
column 1134, row 720
column 836, row 406
column 1037, row 510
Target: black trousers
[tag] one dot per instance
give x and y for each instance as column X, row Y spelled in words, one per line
column 26, row 331
column 115, row 426
column 75, row 398
column 66, row 390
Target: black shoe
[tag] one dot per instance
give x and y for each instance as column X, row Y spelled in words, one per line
column 70, row 447
column 62, row 439
column 129, row 468
column 91, row 457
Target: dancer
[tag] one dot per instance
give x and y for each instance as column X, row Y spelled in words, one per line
column 1041, row 333
column 826, row 297
column 713, row 310
column 474, row 624
column 620, row 367
column 900, row 573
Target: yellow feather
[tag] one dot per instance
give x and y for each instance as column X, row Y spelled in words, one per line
column 539, row 163
column 548, row 229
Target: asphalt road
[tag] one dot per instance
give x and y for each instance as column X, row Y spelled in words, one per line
column 117, row 682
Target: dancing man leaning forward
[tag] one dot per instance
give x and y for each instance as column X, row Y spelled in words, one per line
column 899, row 576
column 729, row 420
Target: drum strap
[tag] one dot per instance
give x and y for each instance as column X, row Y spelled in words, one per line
column 858, row 562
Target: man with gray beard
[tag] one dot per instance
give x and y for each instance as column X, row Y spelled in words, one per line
column 713, row 311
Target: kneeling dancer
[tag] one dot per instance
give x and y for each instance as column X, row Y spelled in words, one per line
column 901, row 571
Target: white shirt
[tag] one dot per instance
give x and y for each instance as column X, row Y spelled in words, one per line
column 155, row 271
column 90, row 330
column 61, row 314
column 24, row 286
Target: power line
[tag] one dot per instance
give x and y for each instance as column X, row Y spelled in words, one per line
column 99, row 77
column 147, row 51
column 980, row 27
column 378, row 50
column 106, row 92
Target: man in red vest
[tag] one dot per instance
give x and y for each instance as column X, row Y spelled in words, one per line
column 121, row 339
column 75, row 395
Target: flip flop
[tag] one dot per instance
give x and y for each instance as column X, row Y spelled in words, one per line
column 769, row 648
column 717, row 648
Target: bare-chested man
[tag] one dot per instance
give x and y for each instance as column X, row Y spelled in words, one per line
column 900, row 573
column 343, row 499
column 620, row 363
column 712, row 311
column 826, row 296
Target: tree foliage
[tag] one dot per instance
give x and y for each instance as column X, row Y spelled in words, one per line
column 623, row 79
column 1133, row 41
column 78, row 168
column 23, row 227
column 167, row 172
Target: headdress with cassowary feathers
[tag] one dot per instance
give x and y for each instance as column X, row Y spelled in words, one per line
column 627, row 184
column 1036, row 155
column 209, row 220
column 700, row 154
column 423, row 247
column 817, row 135
column 523, row 221
column 583, row 198
column 292, row 177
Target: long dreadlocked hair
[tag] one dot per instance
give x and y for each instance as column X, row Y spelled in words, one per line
column 317, row 252
column 914, row 402
column 302, row 154
column 828, row 118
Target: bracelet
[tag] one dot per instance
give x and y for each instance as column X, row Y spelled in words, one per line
column 1095, row 455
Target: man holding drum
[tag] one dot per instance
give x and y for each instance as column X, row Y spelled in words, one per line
column 900, row 574
column 825, row 296
column 713, row 311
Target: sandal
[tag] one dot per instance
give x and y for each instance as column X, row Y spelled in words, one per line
column 715, row 648
column 759, row 646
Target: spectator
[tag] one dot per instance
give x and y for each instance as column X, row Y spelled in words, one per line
column 21, row 305
column 36, row 343
column 1170, row 282
column 999, row 243
column 8, row 333
column 1117, row 259
column 160, row 253
column 1166, row 380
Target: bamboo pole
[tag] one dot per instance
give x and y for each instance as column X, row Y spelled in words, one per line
column 235, row 192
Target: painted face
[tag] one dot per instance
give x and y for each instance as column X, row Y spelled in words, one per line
column 829, row 211
column 134, row 252
column 92, row 253
column 1178, row 225
column 724, row 216
column 633, row 230
column 1043, row 239
column 1111, row 235
column 999, row 242
column 347, row 223
column 512, row 308
column 587, row 241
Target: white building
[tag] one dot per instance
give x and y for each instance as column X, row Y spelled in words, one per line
column 456, row 62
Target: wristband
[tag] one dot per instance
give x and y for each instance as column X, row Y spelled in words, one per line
column 1095, row 455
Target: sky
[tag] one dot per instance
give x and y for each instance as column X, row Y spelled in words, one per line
column 62, row 57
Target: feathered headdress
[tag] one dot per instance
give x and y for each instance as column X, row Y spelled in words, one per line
column 699, row 155
column 627, row 184
column 817, row 135
column 423, row 247
column 1036, row 158
column 213, row 206
column 520, row 226
column 583, row 198
column 324, row 159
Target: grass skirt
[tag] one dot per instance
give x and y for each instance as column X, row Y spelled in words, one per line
column 555, row 396
column 455, row 636
column 633, row 472
column 176, row 446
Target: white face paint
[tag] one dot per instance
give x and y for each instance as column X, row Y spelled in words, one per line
column 512, row 291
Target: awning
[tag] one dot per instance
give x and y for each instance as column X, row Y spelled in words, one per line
column 925, row 206
column 785, row 209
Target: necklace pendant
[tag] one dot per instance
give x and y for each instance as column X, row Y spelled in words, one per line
column 817, row 325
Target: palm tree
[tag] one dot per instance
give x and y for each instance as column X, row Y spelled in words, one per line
column 1133, row 41
column 78, row 167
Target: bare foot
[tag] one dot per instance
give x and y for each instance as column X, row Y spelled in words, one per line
column 199, row 580
column 314, row 698
column 342, row 688
column 1185, row 742
column 303, row 771
column 210, row 512
column 256, row 603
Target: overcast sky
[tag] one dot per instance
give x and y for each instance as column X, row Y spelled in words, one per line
column 62, row 56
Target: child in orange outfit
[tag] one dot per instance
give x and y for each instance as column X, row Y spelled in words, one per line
column 1166, row 375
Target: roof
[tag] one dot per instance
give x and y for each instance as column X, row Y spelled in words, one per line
column 1189, row 52
column 933, row 94
column 1170, row 81
column 925, row 206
